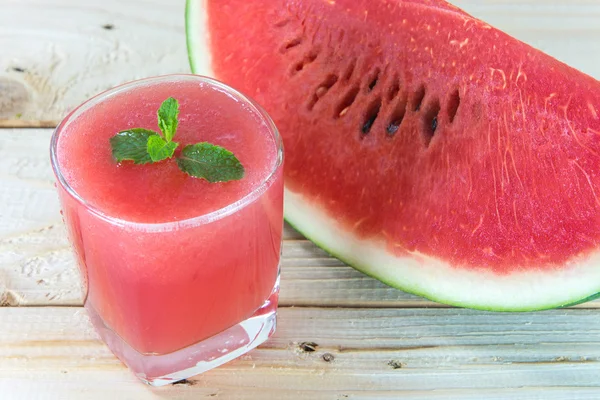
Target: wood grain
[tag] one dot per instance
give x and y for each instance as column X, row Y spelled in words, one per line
column 439, row 354
column 65, row 51
column 58, row 53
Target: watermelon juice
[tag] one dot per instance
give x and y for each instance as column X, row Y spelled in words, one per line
column 180, row 275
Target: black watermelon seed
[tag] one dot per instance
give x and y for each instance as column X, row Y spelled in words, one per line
column 392, row 129
column 371, row 116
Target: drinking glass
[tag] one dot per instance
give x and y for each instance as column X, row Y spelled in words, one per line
column 175, row 299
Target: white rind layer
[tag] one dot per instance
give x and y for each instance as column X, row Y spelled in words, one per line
column 438, row 280
column 197, row 37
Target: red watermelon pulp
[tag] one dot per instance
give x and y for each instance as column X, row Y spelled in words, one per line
column 423, row 146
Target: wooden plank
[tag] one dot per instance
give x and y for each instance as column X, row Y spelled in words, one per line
column 38, row 269
column 58, row 53
column 68, row 50
column 377, row 353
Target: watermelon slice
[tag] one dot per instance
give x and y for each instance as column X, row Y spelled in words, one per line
column 423, row 146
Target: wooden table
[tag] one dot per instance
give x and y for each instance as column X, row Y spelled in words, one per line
column 341, row 335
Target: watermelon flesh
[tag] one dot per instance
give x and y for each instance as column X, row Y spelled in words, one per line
column 423, row 146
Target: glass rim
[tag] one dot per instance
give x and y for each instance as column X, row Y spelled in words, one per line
column 187, row 222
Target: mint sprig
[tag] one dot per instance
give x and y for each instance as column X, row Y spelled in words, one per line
column 201, row 160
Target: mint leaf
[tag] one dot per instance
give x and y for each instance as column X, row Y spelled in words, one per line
column 159, row 149
column 167, row 118
column 210, row 162
column 132, row 145
column 200, row 160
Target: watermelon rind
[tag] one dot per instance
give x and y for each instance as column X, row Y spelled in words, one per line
column 440, row 282
column 196, row 30
column 419, row 274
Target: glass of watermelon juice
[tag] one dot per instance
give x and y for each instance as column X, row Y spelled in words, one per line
column 179, row 275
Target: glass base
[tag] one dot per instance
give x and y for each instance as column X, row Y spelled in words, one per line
column 159, row 370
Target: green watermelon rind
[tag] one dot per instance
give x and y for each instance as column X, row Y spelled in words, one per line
column 189, row 37
column 584, row 300
column 299, row 220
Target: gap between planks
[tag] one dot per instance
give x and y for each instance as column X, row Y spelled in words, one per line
column 16, row 123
